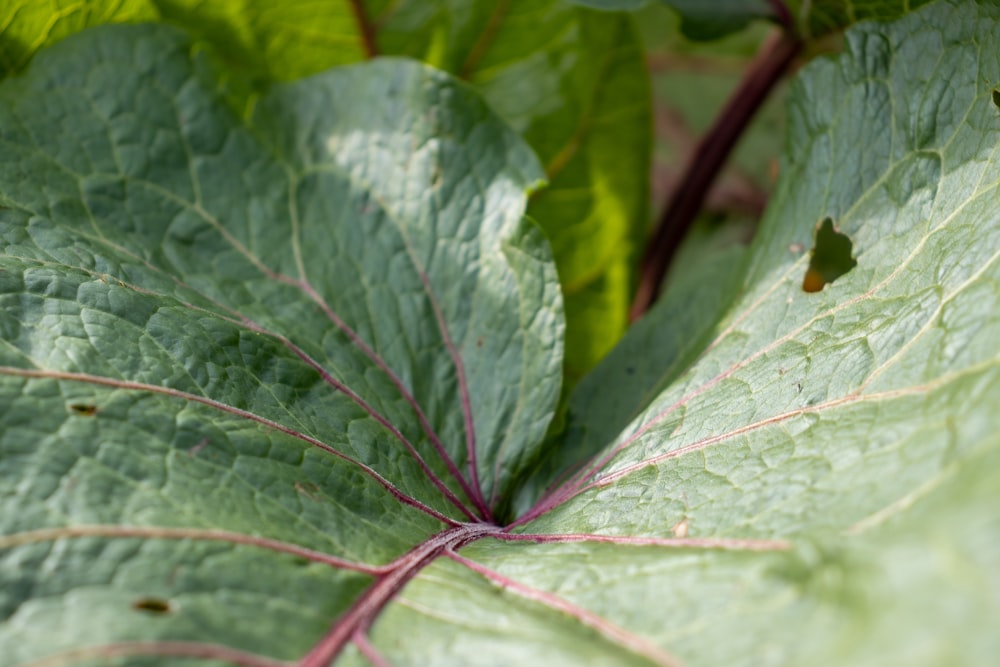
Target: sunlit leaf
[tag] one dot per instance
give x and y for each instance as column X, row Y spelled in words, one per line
column 261, row 378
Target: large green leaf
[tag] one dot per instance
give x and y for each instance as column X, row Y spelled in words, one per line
column 193, row 308
column 572, row 81
column 821, row 417
column 284, row 330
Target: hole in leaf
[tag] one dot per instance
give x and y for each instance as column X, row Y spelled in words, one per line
column 830, row 257
column 83, row 409
column 996, row 97
column 152, row 606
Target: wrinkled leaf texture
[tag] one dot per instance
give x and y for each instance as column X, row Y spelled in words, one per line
column 194, row 308
column 572, row 81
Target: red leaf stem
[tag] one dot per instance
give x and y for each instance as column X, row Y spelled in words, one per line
column 773, row 60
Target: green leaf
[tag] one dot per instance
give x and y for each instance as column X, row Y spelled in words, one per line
column 654, row 353
column 192, row 306
column 712, row 19
column 944, row 542
column 820, row 418
column 255, row 330
column 273, row 42
column 613, row 5
column 572, row 81
column 701, row 19
column 815, row 18
column 29, row 25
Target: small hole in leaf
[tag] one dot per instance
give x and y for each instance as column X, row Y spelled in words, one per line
column 83, row 409
column 152, row 606
column 830, row 257
column 996, row 96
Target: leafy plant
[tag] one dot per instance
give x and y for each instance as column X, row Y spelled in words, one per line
column 584, row 110
column 279, row 359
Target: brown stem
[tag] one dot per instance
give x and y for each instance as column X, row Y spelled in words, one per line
column 764, row 72
column 782, row 15
column 366, row 28
column 359, row 617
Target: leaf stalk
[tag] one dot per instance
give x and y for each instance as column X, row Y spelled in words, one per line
column 767, row 68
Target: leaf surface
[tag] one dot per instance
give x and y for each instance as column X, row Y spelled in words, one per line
column 800, row 491
column 225, row 345
column 821, row 17
column 29, row 25
column 818, row 417
column 572, row 81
